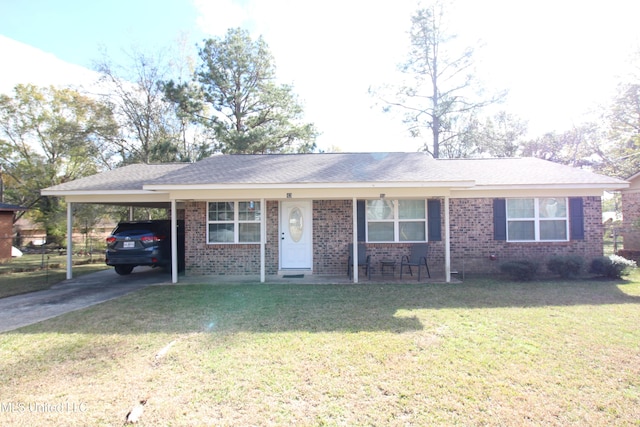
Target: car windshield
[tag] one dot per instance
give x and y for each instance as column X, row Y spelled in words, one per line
column 137, row 228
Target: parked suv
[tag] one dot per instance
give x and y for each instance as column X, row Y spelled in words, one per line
column 143, row 243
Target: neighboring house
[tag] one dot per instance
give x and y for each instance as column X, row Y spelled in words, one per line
column 631, row 214
column 29, row 233
column 282, row 213
column 7, row 216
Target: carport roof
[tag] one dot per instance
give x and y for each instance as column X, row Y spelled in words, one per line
column 127, row 178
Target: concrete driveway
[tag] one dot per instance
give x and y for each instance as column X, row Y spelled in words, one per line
column 74, row 294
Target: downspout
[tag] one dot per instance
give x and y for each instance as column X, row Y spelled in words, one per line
column 263, row 239
column 174, row 242
column 355, row 241
column 447, row 241
column 69, row 240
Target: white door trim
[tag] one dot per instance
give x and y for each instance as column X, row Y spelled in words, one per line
column 296, row 235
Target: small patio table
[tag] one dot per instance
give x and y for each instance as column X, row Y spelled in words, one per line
column 388, row 263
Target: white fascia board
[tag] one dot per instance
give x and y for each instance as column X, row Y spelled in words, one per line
column 634, row 176
column 110, row 196
column 530, row 191
column 309, row 193
column 581, row 186
column 62, row 193
column 314, row 185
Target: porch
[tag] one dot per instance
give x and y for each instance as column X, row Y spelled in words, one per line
column 320, row 279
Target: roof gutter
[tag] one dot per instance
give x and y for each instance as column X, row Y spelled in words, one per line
column 60, row 193
column 565, row 186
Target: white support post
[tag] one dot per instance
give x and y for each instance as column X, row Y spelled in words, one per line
column 69, row 240
column 174, row 242
column 130, row 213
column 447, row 241
column 263, row 240
column 355, row 241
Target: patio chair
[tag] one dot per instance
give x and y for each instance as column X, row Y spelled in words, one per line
column 364, row 260
column 417, row 258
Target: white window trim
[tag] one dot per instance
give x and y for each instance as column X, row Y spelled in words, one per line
column 236, row 222
column 537, row 219
column 396, row 223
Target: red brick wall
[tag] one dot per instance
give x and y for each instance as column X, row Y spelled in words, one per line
column 471, row 241
column 226, row 259
column 472, row 238
column 210, row 260
column 630, row 215
column 6, row 234
column 332, row 233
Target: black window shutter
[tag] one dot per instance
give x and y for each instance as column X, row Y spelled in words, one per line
column 434, row 220
column 576, row 219
column 499, row 219
column 362, row 217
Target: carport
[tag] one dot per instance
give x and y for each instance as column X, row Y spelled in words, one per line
column 120, row 187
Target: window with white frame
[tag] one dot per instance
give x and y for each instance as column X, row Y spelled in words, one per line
column 537, row 219
column 396, row 220
column 233, row 222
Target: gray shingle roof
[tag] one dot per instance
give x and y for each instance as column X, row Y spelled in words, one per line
column 126, row 178
column 306, row 168
column 523, row 172
column 339, row 168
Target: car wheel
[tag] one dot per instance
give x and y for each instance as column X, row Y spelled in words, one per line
column 123, row 270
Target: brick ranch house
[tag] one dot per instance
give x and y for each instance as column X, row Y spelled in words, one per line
column 281, row 213
column 7, row 218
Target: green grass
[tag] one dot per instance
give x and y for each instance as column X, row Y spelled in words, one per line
column 33, row 272
column 485, row 352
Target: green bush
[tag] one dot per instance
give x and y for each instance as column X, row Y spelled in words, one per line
column 522, row 270
column 629, row 254
column 613, row 266
column 565, row 266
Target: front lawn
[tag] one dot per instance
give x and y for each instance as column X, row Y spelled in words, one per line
column 485, row 352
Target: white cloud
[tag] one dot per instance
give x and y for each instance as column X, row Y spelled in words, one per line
column 25, row 64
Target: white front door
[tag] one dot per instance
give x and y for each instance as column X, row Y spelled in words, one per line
column 296, row 245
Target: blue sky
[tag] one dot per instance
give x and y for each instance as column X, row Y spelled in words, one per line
column 558, row 58
column 73, row 30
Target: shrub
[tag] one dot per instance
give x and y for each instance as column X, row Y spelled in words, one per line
column 520, row 270
column 613, row 266
column 629, row 254
column 565, row 266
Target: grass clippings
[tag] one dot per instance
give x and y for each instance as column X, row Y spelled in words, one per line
column 479, row 353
